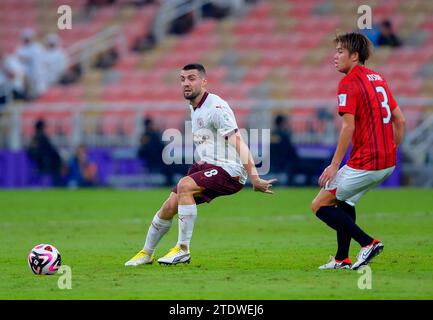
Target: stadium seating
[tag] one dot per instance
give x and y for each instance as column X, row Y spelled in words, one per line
column 278, row 50
column 58, row 122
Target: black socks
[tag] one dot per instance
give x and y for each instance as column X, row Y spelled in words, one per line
column 343, row 238
column 347, row 208
column 340, row 221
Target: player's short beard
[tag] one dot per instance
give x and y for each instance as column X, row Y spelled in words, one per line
column 192, row 96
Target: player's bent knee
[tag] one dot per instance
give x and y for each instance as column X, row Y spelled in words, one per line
column 315, row 206
column 186, row 185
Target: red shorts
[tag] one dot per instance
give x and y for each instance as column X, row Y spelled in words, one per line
column 215, row 181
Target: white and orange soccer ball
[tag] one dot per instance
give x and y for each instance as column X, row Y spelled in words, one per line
column 44, row 259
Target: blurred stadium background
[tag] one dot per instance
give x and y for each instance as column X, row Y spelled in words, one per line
column 266, row 58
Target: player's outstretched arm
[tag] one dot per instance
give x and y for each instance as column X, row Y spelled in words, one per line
column 344, row 140
column 398, row 123
column 244, row 153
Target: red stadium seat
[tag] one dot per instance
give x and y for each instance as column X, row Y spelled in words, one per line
column 409, row 88
column 74, row 4
column 78, row 32
column 232, row 92
column 204, row 28
column 311, row 25
column 58, row 122
column 387, row 9
column 128, row 62
column 414, row 55
column 118, row 122
column 168, row 118
column 142, row 77
column 216, row 75
column 413, row 116
column 122, row 93
column 256, row 75
column 250, row 26
column 260, row 11
column 176, row 60
column 63, row 94
column 197, row 43
column 282, row 58
column 404, row 72
column 313, row 89
column 303, row 8
column 301, row 119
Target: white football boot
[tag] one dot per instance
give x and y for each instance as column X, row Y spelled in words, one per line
column 175, row 255
column 142, row 257
column 367, row 253
column 332, row 264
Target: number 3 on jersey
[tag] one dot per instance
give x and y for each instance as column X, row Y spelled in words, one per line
column 211, row 173
column 385, row 104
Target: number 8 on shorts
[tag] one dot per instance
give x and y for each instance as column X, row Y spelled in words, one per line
column 210, row 173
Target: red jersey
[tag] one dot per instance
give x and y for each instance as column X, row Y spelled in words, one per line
column 365, row 94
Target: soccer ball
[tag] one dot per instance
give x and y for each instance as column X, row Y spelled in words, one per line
column 44, row 259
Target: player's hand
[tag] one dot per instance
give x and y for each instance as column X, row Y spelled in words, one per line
column 263, row 185
column 327, row 175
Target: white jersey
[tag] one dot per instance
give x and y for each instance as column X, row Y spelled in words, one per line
column 56, row 63
column 212, row 122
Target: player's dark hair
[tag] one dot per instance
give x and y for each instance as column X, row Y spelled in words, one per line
column 195, row 66
column 355, row 42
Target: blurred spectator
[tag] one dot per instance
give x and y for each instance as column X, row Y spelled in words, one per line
column 284, row 156
column 387, row 37
column 5, row 90
column 217, row 9
column 150, row 151
column 92, row 5
column 91, row 8
column 99, row 3
column 12, row 79
column 56, row 60
column 183, row 24
column 107, row 59
column 144, row 43
column 82, row 171
column 148, row 39
column 31, row 55
column 44, row 155
column 5, row 84
column 151, row 146
column 72, row 74
column 139, row 3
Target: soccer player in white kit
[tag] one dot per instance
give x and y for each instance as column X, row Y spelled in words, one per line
column 224, row 164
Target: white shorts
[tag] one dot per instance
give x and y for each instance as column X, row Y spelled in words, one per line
column 351, row 184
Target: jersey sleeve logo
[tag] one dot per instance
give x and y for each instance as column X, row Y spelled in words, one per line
column 342, row 100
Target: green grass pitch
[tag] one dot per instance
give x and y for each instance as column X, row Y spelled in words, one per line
column 245, row 246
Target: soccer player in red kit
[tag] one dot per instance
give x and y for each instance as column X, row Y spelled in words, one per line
column 374, row 124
